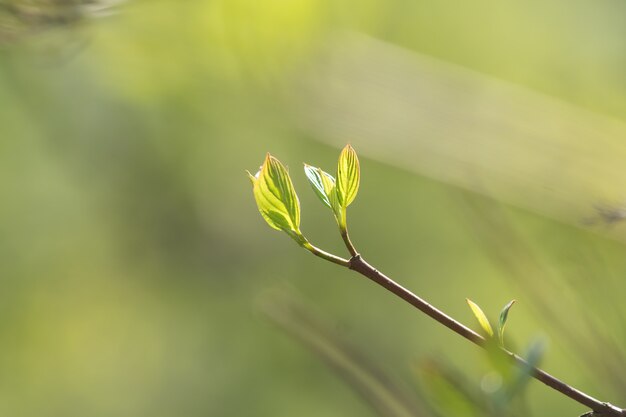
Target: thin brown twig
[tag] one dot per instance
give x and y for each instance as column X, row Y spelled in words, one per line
column 358, row 264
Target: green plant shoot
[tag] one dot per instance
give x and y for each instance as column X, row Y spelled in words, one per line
column 337, row 193
column 481, row 317
column 322, row 183
column 348, row 179
column 348, row 176
column 504, row 315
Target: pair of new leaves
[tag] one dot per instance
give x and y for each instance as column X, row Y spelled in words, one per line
column 484, row 321
column 278, row 202
column 513, row 383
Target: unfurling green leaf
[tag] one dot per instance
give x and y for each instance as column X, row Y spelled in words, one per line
column 348, row 176
column 504, row 315
column 533, row 356
column 322, row 182
column 276, row 197
column 481, row 317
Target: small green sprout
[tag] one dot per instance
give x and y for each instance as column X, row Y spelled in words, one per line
column 278, row 202
column 481, row 317
column 322, row 183
column 339, row 193
column 484, row 321
column 348, row 176
column 504, row 315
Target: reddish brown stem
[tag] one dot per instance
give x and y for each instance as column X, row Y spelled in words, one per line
column 358, row 264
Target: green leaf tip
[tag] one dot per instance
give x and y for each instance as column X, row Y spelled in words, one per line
column 253, row 178
column 276, row 197
column 504, row 315
column 348, row 176
column 322, row 183
column 481, row 317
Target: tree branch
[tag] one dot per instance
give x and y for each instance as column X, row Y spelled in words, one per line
column 358, row 264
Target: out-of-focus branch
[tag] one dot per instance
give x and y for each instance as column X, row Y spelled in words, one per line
column 371, row 384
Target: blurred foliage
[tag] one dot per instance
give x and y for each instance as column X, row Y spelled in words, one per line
column 131, row 250
column 22, row 20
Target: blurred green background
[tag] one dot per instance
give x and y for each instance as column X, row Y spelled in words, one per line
column 137, row 273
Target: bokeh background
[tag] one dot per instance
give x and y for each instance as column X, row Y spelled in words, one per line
column 138, row 278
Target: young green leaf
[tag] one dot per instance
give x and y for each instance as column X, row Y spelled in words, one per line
column 322, row 182
column 276, row 197
column 534, row 354
column 348, row 176
column 338, row 211
column 481, row 317
column 504, row 315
